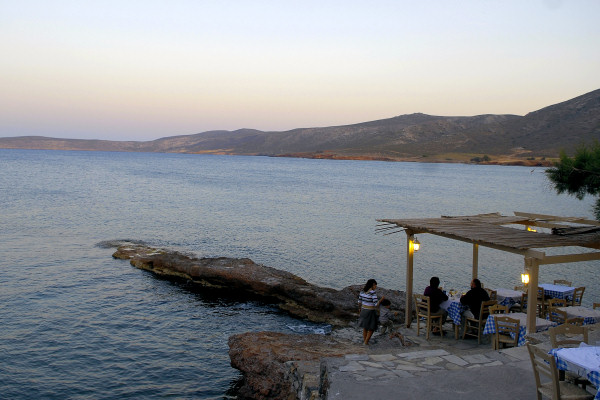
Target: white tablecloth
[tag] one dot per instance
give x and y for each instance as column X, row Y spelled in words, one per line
column 583, row 360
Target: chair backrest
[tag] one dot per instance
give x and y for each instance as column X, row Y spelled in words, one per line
column 563, row 282
column 524, row 302
column 578, row 295
column 557, row 303
column 544, row 364
column 422, row 305
column 575, row 321
column 485, row 309
column 498, row 309
column 556, row 315
column 540, row 293
column 506, row 325
column 596, row 305
column 521, row 288
column 567, row 331
column 493, row 294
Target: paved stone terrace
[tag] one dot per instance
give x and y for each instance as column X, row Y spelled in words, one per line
column 430, row 368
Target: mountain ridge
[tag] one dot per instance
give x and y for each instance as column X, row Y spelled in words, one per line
column 504, row 138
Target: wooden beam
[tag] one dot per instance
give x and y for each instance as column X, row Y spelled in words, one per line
column 557, row 218
column 526, row 253
column 569, row 258
column 475, row 273
column 531, row 265
column 409, row 278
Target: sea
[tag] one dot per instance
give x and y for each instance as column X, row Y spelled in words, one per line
column 78, row 324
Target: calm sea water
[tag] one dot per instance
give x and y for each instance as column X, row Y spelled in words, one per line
column 78, row 324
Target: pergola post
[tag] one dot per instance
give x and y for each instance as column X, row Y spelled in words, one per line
column 475, row 261
column 409, row 277
column 533, row 266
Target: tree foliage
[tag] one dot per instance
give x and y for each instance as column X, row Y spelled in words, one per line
column 578, row 175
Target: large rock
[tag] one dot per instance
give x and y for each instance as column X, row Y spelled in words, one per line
column 243, row 277
column 269, row 361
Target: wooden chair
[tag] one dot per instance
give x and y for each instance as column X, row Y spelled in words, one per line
column 564, row 335
column 492, row 293
column 521, row 288
column 577, row 296
column 575, row 321
column 596, row 305
column 498, row 309
column 556, row 315
column 554, row 303
column 507, row 332
column 541, row 300
column 568, row 335
column 477, row 325
column 522, row 306
column 423, row 308
column 563, row 282
column 545, row 364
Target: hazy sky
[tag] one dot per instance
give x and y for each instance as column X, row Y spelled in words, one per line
column 140, row 70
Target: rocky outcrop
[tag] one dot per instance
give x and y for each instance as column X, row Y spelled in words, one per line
column 283, row 366
column 243, row 277
column 274, row 365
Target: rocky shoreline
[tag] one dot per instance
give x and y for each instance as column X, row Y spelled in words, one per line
column 274, row 365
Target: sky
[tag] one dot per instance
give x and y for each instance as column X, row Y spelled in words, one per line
column 142, row 70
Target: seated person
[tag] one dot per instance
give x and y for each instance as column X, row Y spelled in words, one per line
column 385, row 317
column 473, row 299
column 436, row 297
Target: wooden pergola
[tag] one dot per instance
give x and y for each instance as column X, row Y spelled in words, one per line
column 514, row 234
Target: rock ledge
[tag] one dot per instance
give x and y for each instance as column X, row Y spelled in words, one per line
column 243, row 276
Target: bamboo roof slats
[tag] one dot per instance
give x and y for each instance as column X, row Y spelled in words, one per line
column 495, row 230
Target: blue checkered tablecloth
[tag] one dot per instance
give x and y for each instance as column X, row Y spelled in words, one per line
column 558, row 291
column 507, row 301
column 455, row 310
column 490, row 328
column 589, row 316
column 541, row 325
column 593, row 376
column 586, row 320
column 507, row 297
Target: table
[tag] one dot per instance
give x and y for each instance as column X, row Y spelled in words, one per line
column 508, row 297
column 589, row 316
column 541, row 325
column 558, row 291
column 583, row 360
column 455, row 309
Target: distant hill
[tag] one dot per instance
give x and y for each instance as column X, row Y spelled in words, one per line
column 503, row 138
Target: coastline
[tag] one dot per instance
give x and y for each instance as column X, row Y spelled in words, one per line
column 448, row 158
column 457, row 158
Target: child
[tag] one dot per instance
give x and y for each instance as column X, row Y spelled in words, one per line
column 386, row 322
column 385, row 317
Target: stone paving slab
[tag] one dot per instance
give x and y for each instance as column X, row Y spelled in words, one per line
column 459, row 368
column 454, row 359
column 439, row 367
column 423, row 354
column 382, row 357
